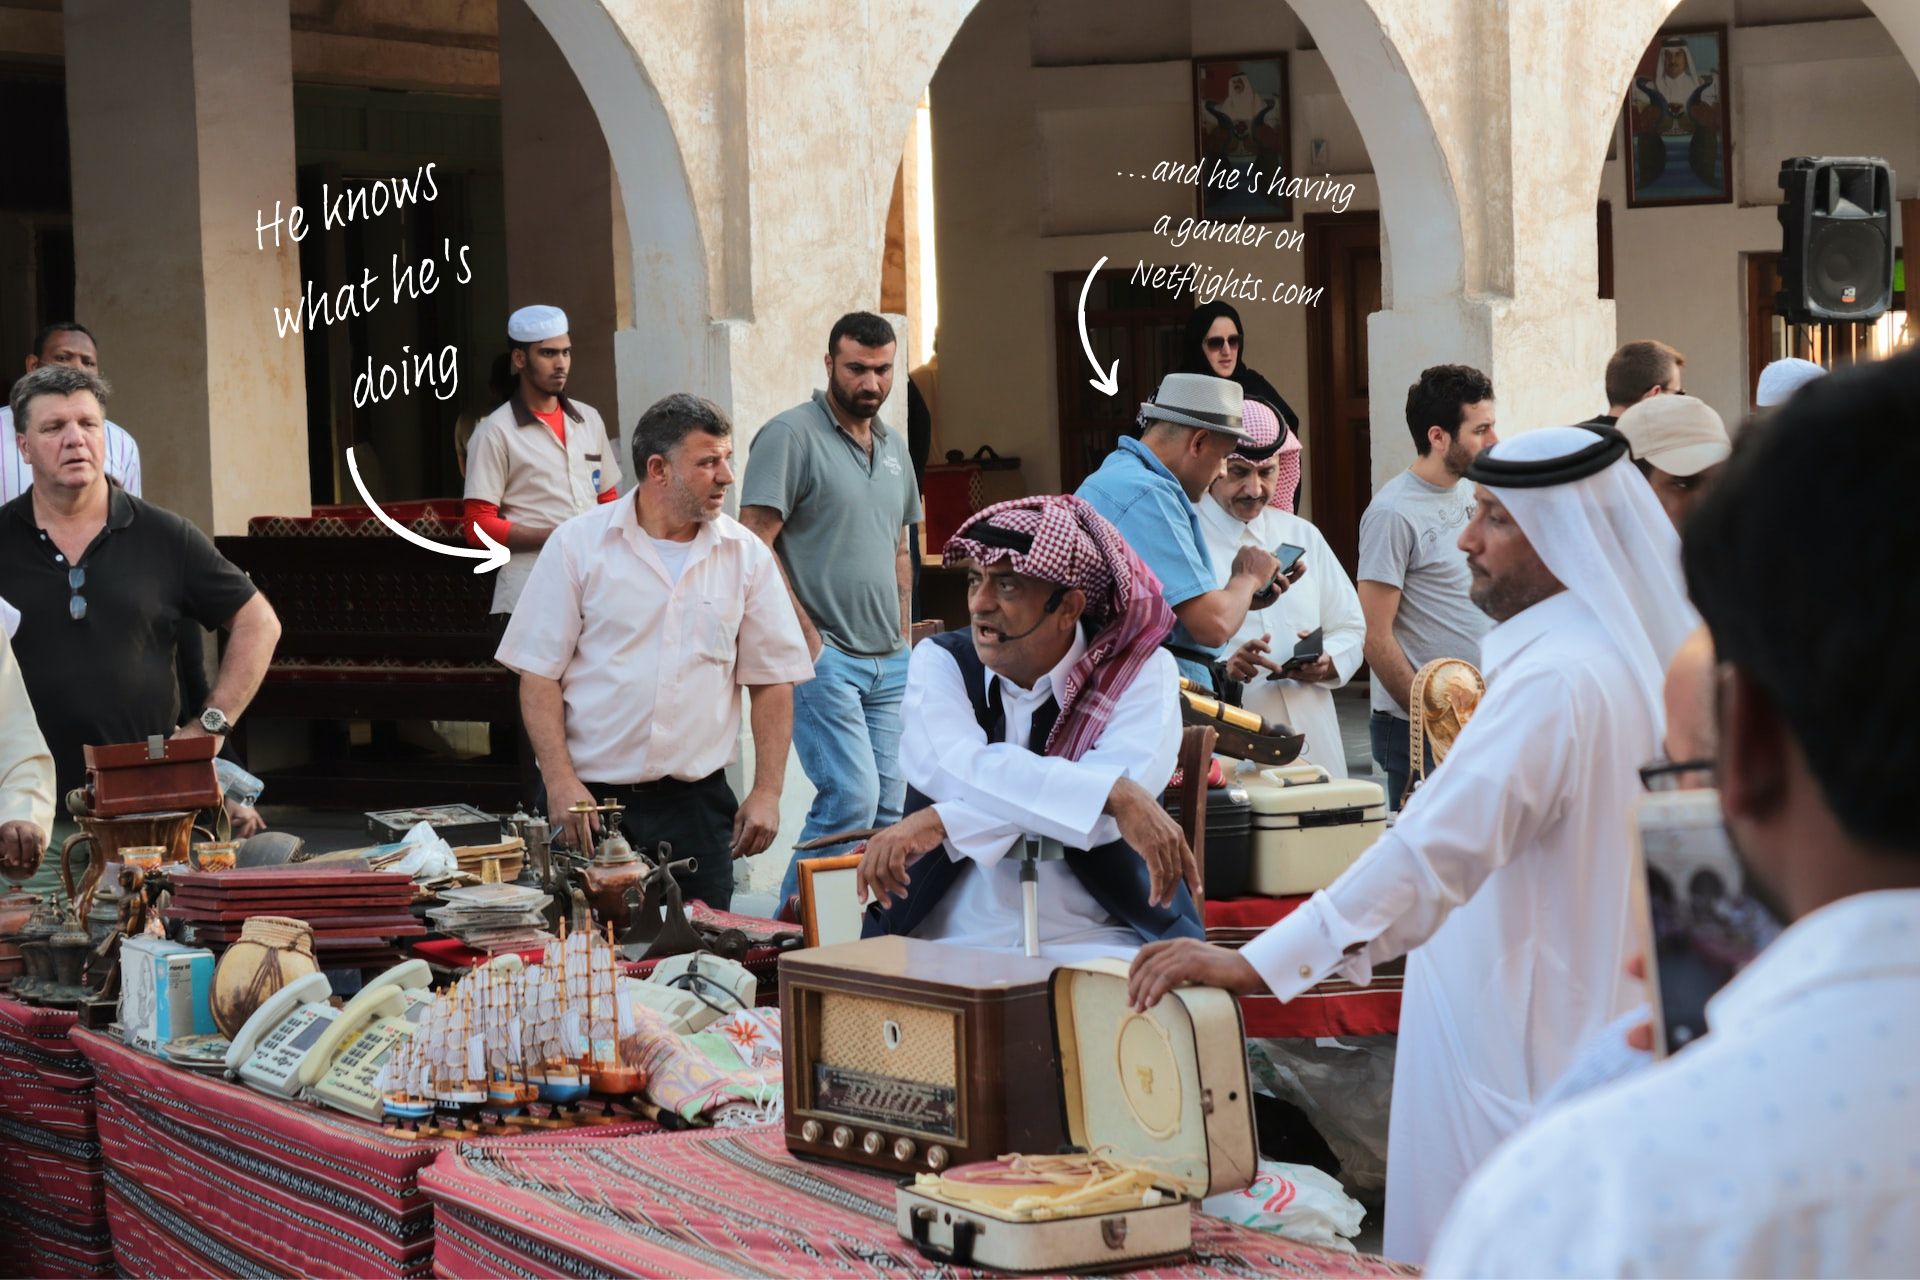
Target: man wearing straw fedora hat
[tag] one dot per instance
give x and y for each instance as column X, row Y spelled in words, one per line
column 1147, row 487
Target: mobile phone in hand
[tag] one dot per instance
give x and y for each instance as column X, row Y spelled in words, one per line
column 1288, row 555
column 1699, row 924
column 1310, row 649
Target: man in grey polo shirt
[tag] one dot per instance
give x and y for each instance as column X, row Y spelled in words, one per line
column 830, row 488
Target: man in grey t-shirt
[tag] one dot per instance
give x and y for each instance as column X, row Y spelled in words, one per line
column 830, row 487
column 1413, row 577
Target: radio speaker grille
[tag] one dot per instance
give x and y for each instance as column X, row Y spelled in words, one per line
column 854, row 1034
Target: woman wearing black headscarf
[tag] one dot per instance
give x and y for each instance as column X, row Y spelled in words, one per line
column 1216, row 345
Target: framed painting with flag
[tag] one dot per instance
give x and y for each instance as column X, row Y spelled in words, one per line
column 1242, row 121
column 1680, row 121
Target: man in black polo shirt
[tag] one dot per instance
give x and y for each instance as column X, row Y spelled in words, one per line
column 102, row 581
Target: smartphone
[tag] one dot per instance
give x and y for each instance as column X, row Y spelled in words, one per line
column 1699, row 925
column 1288, row 555
column 1311, row 647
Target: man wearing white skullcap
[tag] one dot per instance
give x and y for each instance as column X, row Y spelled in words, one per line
column 539, row 459
column 1518, row 846
column 1782, row 378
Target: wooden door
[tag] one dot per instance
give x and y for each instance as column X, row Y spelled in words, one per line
column 1139, row 326
column 1343, row 257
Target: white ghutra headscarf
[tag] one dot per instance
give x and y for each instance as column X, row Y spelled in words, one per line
column 1594, row 522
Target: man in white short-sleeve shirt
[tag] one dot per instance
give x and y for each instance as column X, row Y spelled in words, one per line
column 640, row 623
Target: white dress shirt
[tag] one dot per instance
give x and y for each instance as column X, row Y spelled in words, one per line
column 16, row 477
column 990, row 795
column 1511, row 866
column 1323, row 598
column 651, row 663
column 1785, row 1142
column 26, row 766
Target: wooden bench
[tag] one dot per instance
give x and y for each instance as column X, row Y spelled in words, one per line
column 375, row 629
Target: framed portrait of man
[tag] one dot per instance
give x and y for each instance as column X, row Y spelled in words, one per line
column 1680, row 121
column 1242, row 122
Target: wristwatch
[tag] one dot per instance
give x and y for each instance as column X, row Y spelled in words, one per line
column 214, row 720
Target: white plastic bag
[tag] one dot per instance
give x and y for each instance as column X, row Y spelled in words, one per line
column 1296, row 1201
column 1345, row 1086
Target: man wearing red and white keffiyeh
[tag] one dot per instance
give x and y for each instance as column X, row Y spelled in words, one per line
column 1056, row 713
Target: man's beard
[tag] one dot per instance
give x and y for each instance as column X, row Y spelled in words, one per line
column 847, row 403
column 1756, row 887
column 1457, row 458
column 1502, row 598
column 686, row 501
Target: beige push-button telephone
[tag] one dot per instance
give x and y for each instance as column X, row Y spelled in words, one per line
column 292, row 1041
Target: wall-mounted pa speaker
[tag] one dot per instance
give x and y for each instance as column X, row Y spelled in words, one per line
column 1836, row 257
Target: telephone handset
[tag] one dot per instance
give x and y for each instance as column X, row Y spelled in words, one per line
column 695, row 990
column 282, row 1031
column 384, row 997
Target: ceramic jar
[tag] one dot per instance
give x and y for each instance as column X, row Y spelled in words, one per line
column 272, row 951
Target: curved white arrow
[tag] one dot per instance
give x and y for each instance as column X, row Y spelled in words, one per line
column 1106, row 384
column 492, row 558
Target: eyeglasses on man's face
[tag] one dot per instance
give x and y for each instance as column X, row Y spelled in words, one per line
column 1662, row 774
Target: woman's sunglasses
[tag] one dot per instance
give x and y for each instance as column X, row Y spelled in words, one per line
column 1224, row 344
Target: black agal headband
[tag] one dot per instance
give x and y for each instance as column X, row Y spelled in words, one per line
column 1609, row 447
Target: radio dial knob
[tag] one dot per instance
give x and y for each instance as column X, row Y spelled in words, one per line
column 936, row 1157
column 811, row 1130
column 903, row 1149
column 842, row 1137
column 872, row 1143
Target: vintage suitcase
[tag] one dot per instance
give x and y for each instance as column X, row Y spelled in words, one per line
column 160, row 775
column 1165, row 1091
column 903, row 1055
column 1308, row 827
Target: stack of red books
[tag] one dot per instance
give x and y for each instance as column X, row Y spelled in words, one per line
column 357, row 916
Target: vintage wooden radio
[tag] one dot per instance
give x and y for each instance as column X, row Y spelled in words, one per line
column 155, row 776
column 1158, row 1107
column 905, row 1055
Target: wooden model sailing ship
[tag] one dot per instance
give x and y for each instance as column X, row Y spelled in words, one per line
column 501, row 1039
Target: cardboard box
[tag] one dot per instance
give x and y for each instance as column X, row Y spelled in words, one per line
column 166, row 991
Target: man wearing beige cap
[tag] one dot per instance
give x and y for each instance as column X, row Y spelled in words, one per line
column 1679, row 443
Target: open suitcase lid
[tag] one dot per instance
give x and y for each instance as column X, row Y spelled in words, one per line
column 1310, row 789
column 1167, row 1087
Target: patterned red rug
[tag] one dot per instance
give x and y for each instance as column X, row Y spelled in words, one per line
column 53, row 1213
column 732, row 1203
column 207, row 1178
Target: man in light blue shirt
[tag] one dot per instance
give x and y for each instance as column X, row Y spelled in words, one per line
column 1147, row 487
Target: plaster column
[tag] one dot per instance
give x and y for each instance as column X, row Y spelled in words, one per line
column 181, row 119
column 560, row 202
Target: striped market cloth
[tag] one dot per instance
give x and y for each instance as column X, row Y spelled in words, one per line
column 209, row 1178
column 53, row 1213
column 734, row 1203
column 1334, row 1007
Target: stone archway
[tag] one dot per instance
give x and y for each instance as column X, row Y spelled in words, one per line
column 671, row 344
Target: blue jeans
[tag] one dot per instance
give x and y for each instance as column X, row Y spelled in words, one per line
column 1389, row 734
column 846, row 727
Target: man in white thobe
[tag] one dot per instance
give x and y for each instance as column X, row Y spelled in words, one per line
column 1237, row 512
column 1056, row 714
column 1507, row 876
column 1785, row 1141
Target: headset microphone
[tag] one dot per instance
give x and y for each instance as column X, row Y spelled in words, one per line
column 1053, row 603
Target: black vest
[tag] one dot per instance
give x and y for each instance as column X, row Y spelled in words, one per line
column 1114, row 875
